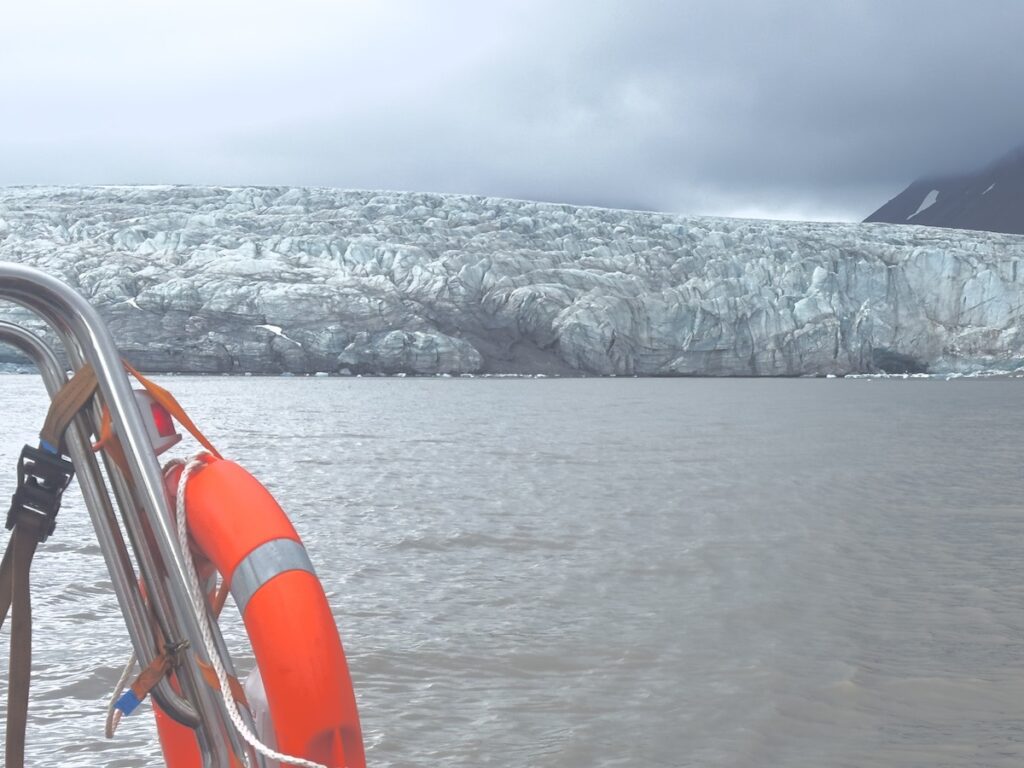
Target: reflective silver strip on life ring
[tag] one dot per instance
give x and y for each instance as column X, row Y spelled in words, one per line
column 268, row 560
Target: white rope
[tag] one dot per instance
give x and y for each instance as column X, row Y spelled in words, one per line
column 199, row 603
column 114, row 714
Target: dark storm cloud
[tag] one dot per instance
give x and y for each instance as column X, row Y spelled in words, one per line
column 803, row 109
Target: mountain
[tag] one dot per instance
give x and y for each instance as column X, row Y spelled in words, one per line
column 269, row 280
column 991, row 199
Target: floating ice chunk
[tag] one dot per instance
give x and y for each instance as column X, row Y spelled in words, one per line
column 928, row 202
column 277, row 331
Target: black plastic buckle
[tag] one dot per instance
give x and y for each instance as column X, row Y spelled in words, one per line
column 42, row 479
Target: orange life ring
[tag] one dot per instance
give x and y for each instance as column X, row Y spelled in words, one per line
column 238, row 526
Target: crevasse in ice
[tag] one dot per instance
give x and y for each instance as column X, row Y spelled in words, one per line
column 214, row 279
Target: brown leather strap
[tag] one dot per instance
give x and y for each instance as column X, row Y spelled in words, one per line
column 23, row 547
column 6, row 583
column 151, row 675
column 66, row 404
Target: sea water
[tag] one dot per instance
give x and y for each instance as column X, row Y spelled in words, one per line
column 584, row 572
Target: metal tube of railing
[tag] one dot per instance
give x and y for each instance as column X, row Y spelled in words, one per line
column 213, row 746
column 140, row 534
column 104, row 521
column 75, row 319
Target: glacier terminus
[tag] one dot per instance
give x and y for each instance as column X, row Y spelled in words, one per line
column 273, row 280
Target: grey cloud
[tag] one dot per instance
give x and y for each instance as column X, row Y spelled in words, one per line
column 808, row 109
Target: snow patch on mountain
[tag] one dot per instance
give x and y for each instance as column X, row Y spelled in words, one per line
column 988, row 199
column 928, row 202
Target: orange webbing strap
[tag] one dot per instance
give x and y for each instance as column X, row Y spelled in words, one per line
column 107, row 440
column 210, row 676
column 166, row 399
column 65, row 405
column 109, row 443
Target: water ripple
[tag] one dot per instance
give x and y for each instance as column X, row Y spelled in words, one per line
column 610, row 573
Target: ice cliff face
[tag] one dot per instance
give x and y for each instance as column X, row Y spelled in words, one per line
column 274, row 279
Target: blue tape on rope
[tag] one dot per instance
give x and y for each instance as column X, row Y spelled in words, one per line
column 49, row 448
column 128, row 702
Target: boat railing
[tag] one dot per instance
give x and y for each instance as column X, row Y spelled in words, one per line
column 137, row 494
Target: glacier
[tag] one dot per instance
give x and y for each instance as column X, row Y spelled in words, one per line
column 274, row 279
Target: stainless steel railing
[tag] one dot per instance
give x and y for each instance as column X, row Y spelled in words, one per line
column 140, row 499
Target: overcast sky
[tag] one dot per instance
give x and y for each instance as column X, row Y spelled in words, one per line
column 814, row 109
